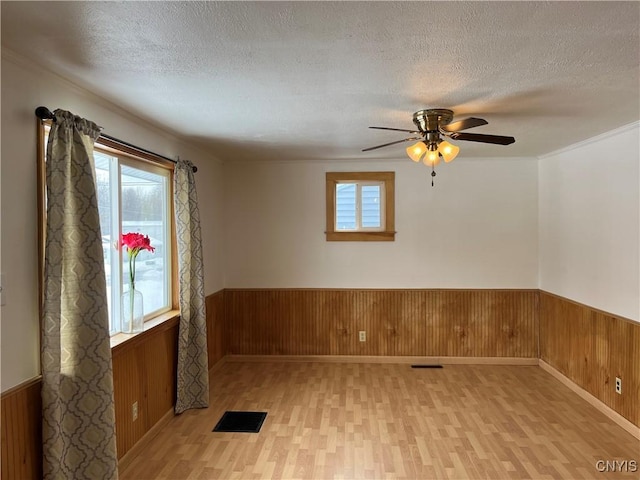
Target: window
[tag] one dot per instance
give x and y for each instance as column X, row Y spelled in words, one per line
column 133, row 196
column 360, row 206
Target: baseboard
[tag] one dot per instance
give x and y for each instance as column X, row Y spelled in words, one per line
column 128, row 457
column 133, row 452
column 609, row 412
column 383, row 359
column 216, row 366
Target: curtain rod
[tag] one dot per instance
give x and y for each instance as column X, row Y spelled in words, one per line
column 43, row 113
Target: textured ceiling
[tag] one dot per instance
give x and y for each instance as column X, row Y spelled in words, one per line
column 304, row 80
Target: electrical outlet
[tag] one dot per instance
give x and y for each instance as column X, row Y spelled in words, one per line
column 363, row 336
column 618, row 385
column 134, row 411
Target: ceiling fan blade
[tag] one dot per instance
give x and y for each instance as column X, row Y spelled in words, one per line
column 478, row 137
column 391, row 143
column 464, row 124
column 395, row 129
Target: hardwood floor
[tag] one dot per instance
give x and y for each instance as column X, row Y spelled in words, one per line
column 367, row 421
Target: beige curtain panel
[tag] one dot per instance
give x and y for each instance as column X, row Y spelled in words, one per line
column 193, row 373
column 77, row 382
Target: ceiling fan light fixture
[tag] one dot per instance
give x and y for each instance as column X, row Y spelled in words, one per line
column 433, row 123
column 432, row 158
column 416, row 151
column 448, row 151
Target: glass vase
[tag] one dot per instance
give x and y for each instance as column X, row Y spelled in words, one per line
column 131, row 312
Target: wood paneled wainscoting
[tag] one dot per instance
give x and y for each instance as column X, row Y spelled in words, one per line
column 215, row 323
column 144, row 370
column 22, row 431
column 587, row 346
column 591, row 348
column 456, row 323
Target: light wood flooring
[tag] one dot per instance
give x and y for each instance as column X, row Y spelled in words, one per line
column 368, row 421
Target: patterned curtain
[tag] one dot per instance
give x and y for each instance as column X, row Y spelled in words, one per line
column 77, row 383
column 193, row 374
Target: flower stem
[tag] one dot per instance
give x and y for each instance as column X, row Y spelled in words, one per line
column 132, row 287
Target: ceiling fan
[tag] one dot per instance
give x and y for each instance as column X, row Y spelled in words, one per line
column 433, row 124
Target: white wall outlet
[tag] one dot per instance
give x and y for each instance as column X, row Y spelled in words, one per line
column 618, row 385
column 362, row 335
column 134, row 411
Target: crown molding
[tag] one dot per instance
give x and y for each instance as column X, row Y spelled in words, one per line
column 357, row 160
column 618, row 131
column 40, row 69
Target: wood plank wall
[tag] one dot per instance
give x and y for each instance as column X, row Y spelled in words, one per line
column 134, row 380
column 215, row 325
column 22, row 432
column 592, row 348
column 144, row 371
column 482, row 323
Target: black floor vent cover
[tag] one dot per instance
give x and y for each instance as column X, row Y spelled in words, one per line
column 426, row 366
column 247, row 422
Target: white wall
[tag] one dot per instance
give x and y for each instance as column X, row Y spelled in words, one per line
column 24, row 88
column 477, row 228
column 589, row 223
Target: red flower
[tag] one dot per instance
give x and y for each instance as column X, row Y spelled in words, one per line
column 134, row 242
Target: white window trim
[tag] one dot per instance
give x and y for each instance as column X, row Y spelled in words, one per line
column 359, row 184
column 124, row 159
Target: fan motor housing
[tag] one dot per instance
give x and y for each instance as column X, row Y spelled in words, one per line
column 430, row 120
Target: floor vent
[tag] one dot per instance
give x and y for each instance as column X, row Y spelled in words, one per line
column 245, row 422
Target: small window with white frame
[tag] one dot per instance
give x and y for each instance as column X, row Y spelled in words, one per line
column 360, row 206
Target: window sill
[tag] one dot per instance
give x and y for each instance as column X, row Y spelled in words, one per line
column 156, row 324
column 361, row 236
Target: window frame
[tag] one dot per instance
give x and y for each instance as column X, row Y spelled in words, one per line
column 384, row 234
column 359, row 185
column 111, row 147
column 131, row 157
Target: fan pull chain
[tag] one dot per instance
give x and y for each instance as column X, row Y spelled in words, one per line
column 433, row 173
